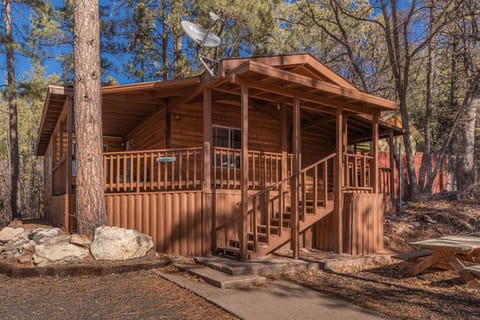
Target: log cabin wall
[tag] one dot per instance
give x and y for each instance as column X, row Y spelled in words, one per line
column 151, row 134
column 264, row 133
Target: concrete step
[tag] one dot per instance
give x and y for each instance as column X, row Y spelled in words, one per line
column 265, row 266
column 220, row 279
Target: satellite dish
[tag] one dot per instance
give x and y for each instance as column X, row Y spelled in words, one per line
column 200, row 35
column 204, row 38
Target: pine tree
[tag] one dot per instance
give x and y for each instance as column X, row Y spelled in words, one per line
column 90, row 202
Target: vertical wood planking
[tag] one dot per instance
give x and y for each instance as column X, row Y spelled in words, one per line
column 153, row 218
column 167, row 198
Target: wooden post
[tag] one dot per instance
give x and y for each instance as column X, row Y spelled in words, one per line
column 242, row 226
column 284, row 142
column 296, row 176
column 374, row 172
column 338, row 178
column 392, row 167
column 68, row 159
column 344, row 150
column 208, row 217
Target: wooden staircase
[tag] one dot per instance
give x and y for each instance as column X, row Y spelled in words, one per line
column 270, row 211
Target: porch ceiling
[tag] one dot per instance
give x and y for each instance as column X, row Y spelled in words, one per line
column 124, row 107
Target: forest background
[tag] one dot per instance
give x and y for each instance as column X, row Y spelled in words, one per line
column 423, row 54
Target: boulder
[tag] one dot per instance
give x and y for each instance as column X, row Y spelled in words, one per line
column 8, row 233
column 58, row 253
column 113, row 243
column 53, row 240
column 40, row 233
column 81, row 241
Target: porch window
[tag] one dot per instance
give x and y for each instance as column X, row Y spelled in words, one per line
column 230, row 138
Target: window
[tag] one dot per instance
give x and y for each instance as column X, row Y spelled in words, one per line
column 231, row 138
column 225, row 137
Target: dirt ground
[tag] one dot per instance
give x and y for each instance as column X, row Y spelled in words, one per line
column 430, row 219
column 388, row 289
column 136, row 295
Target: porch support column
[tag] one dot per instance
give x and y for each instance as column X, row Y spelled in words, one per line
column 391, row 147
column 242, row 222
column 296, row 178
column 208, row 218
column 284, row 137
column 338, row 179
column 68, row 159
column 375, row 154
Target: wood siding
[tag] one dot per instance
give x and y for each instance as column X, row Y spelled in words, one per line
column 186, row 125
column 55, row 210
column 173, row 219
column 151, row 134
column 362, row 224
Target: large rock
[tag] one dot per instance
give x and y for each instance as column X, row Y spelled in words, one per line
column 8, row 233
column 58, row 253
column 41, row 233
column 54, row 240
column 79, row 240
column 113, row 243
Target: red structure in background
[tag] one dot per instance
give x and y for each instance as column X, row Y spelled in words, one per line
column 439, row 184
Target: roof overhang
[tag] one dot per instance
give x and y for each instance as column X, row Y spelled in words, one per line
column 286, row 83
column 126, row 106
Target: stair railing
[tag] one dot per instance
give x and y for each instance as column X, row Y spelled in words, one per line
column 266, row 208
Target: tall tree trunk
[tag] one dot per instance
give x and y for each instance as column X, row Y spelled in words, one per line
column 426, row 167
column 90, row 207
column 472, row 106
column 163, row 10
column 12, row 107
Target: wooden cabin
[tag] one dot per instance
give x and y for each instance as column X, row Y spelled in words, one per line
column 261, row 156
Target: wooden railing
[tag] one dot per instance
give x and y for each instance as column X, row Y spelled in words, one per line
column 153, row 170
column 269, row 210
column 357, row 175
column 265, row 168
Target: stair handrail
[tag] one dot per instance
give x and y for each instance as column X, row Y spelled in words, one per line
column 278, row 184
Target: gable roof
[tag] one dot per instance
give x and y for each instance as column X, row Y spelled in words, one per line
column 301, row 63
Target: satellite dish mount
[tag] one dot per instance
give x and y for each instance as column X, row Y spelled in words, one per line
column 205, row 39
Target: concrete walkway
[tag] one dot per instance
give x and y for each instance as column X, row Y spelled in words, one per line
column 276, row 300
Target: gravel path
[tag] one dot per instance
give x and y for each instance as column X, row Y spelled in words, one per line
column 136, row 295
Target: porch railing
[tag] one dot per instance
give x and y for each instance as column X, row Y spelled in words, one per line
column 357, row 175
column 265, row 168
column 153, row 170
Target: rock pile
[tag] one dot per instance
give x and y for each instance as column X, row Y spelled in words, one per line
column 47, row 246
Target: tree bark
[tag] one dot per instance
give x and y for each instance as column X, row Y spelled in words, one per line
column 90, row 207
column 12, row 108
column 426, row 167
column 467, row 177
